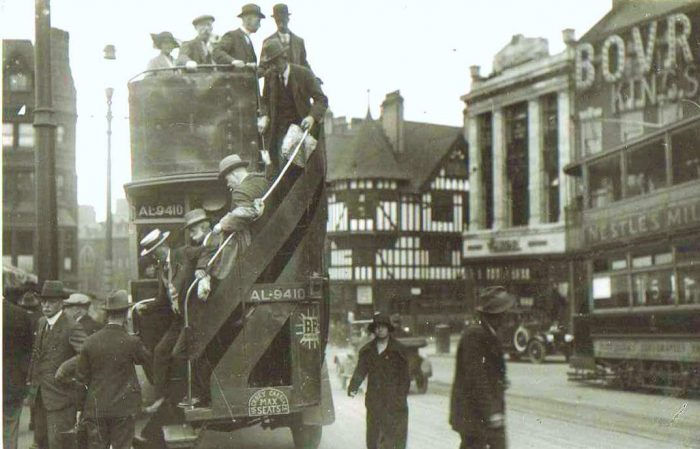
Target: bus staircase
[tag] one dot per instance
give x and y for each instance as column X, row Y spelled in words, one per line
column 242, row 339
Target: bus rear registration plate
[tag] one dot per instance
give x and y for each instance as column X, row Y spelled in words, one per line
column 279, row 292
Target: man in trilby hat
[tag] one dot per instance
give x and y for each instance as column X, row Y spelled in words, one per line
column 236, row 47
column 106, row 367
column 166, row 43
column 292, row 95
column 384, row 363
column 477, row 408
column 198, row 50
column 59, row 338
column 296, row 48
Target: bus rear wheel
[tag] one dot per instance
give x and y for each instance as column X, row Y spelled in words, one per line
column 306, row 437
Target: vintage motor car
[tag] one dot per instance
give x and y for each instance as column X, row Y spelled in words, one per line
column 530, row 334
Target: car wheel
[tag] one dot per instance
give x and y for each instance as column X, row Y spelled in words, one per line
column 520, row 339
column 536, row 351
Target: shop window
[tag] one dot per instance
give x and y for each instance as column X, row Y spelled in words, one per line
column 646, row 169
column 604, row 181
column 442, row 207
column 26, row 135
column 685, row 146
column 485, row 136
column 8, row 135
column 610, row 292
column 656, row 288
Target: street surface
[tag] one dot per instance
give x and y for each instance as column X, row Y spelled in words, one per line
column 544, row 411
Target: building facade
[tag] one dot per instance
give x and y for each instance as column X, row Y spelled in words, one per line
column 398, row 203
column 517, row 123
column 19, row 202
column 636, row 233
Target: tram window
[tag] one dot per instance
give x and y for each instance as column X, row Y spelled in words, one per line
column 646, row 169
column 610, row 292
column 605, row 181
column 688, row 252
column 689, row 285
column 686, row 155
column 609, row 264
column 656, row 288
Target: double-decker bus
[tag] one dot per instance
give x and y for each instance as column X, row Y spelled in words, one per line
column 263, row 329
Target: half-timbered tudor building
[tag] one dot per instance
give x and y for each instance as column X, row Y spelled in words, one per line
column 398, row 194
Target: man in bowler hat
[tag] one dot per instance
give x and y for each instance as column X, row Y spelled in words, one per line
column 106, row 367
column 292, row 95
column 477, row 407
column 59, row 338
column 384, row 363
column 296, row 48
column 236, row 47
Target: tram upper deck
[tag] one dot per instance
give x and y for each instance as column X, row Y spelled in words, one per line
column 185, row 122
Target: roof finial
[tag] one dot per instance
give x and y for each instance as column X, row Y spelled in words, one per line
column 368, row 117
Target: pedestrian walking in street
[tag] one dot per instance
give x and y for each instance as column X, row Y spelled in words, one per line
column 59, row 338
column 477, row 408
column 106, row 367
column 383, row 362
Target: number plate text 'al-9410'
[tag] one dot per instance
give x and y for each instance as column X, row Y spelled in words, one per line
column 279, row 292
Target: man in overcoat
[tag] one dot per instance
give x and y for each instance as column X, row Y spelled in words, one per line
column 106, row 367
column 384, row 363
column 236, row 47
column 296, row 49
column 59, row 338
column 200, row 48
column 292, row 95
column 477, row 407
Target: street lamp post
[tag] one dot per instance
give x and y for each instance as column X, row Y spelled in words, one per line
column 109, row 54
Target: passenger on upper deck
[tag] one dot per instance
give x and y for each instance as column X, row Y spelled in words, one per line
column 246, row 191
column 236, row 47
column 296, row 50
column 198, row 50
column 292, row 95
column 166, row 43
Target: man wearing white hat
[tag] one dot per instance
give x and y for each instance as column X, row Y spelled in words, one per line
column 77, row 306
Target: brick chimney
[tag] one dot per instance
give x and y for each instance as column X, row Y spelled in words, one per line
column 392, row 120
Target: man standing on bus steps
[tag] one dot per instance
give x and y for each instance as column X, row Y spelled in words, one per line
column 384, row 363
column 198, row 50
column 295, row 45
column 292, row 95
column 477, row 407
column 236, row 47
column 106, row 369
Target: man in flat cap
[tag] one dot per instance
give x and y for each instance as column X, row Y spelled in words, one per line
column 384, row 363
column 106, row 369
column 173, row 272
column 166, row 43
column 477, row 408
column 296, row 50
column 292, row 95
column 236, row 47
column 59, row 338
column 198, row 50
column 77, row 306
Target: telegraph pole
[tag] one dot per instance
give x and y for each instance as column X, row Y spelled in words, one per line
column 46, row 250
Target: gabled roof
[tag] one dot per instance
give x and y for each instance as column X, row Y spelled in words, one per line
column 426, row 145
column 367, row 154
column 632, row 12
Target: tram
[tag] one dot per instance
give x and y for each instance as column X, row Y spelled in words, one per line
column 264, row 328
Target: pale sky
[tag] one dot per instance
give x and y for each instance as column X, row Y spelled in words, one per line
column 423, row 48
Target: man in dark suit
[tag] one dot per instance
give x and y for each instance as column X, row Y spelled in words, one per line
column 296, row 50
column 384, row 363
column 236, row 47
column 77, row 306
column 59, row 338
column 106, row 366
column 174, row 274
column 477, row 408
column 292, row 95
column 17, row 352
column 200, row 48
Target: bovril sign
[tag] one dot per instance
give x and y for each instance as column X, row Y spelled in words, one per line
column 651, row 63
